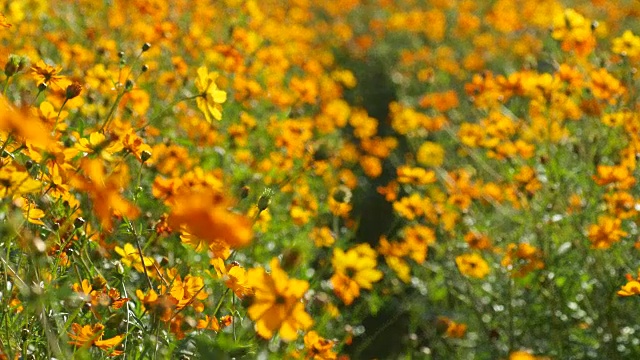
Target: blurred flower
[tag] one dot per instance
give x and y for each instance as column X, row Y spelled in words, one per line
column 205, row 215
column 318, row 348
column 430, row 154
column 472, row 265
column 606, row 232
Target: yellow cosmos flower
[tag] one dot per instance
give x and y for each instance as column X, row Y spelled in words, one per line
column 49, row 75
column 354, row 269
column 472, row 265
column 130, row 257
column 211, row 98
column 276, row 305
column 629, row 289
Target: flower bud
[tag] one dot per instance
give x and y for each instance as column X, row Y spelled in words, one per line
column 263, row 202
column 145, row 155
column 146, row 47
column 73, row 90
column 78, row 222
column 244, row 192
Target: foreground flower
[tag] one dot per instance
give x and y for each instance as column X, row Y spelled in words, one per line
column 85, row 336
column 205, row 215
column 104, row 190
column 276, row 304
column 211, row 98
column 354, row 269
column 23, row 125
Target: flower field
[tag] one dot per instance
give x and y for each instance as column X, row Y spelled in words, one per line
column 389, row 179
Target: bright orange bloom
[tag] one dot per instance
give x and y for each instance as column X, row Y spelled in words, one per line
column 85, row 336
column 24, row 125
column 277, row 303
column 206, row 216
column 452, row 329
column 606, row 232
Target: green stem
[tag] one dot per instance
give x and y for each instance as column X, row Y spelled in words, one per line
column 112, row 110
column 58, row 116
column 6, row 85
column 215, row 312
column 36, row 98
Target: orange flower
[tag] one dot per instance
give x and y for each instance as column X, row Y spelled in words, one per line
column 318, row 348
column 276, row 304
column 85, row 336
column 3, row 21
column 104, row 191
column 606, row 232
column 48, row 75
column 23, row 125
column 206, row 216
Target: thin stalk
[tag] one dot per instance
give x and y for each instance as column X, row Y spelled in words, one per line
column 58, row 116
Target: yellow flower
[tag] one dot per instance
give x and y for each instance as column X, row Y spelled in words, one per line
column 629, row 289
column 626, row 45
column 14, row 182
column 354, row 269
column 276, row 304
column 430, row 154
column 211, row 98
column 233, row 275
column 472, row 265
column 96, row 143
column 48, row 75
column 131, row 257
